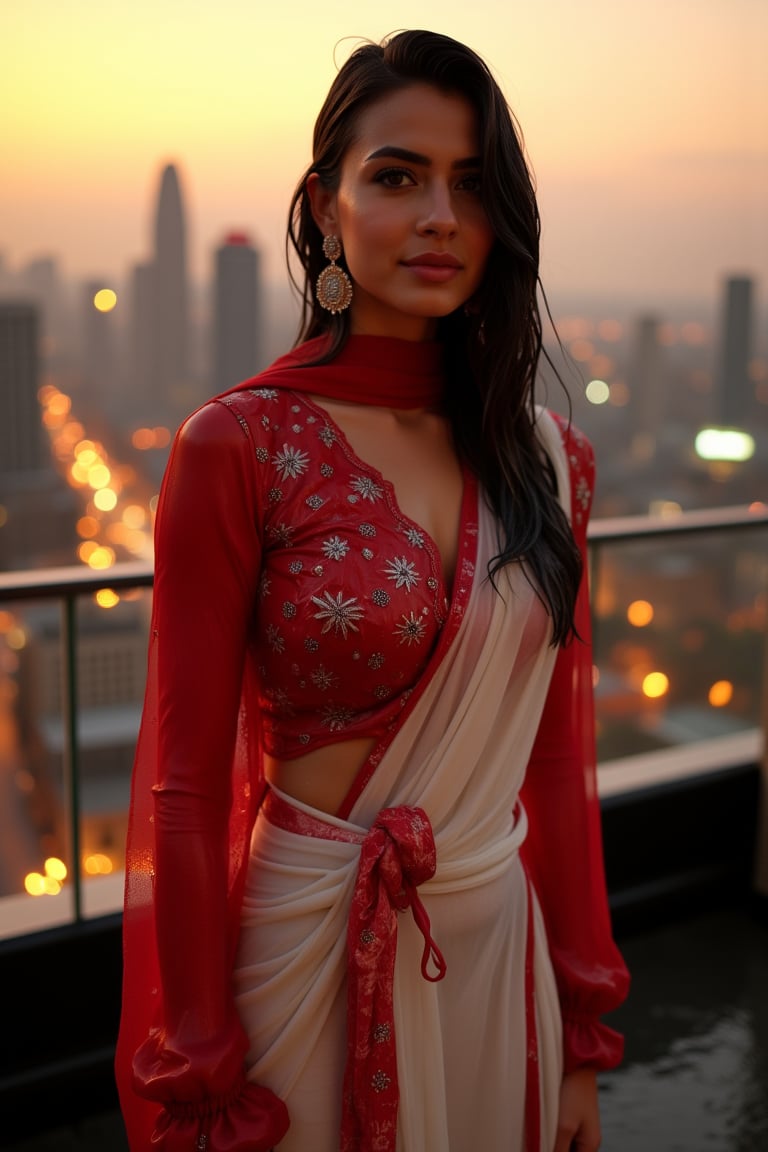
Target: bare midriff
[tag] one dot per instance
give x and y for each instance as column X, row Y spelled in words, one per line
column 323, row 777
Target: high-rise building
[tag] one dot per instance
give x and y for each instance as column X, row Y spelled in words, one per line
column 139, row 363
column 22, row 448
column 648, row 388
column 734, row 390
column 37, row 520
column 170, row 339
column 42, row 285
column 236, row 334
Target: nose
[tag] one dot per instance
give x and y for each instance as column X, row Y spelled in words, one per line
column 438, row 216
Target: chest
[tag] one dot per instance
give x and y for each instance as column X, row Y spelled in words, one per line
column 414, row 453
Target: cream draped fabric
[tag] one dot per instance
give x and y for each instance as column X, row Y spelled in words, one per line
column 460, row 754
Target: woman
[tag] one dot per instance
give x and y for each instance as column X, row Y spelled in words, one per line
column 370, row 684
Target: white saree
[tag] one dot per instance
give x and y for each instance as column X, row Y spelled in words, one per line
column 460, row 754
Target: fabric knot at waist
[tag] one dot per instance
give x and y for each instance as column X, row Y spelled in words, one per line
column 396, row 855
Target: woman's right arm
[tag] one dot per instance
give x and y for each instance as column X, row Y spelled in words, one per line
column 207, row 561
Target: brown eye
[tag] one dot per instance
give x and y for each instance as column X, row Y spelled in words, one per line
column 470, row 184
column 394, row 178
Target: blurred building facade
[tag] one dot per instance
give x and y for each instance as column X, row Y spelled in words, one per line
column 735, row 394
column 237, row 312
column 37, row 514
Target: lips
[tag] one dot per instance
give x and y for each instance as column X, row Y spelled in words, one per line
column 433, row 260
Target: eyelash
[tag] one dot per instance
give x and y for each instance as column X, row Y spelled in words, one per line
column 385, row 175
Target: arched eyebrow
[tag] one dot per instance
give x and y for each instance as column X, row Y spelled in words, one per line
column 391, row 151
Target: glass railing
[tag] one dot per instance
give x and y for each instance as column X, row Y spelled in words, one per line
column 679, row 610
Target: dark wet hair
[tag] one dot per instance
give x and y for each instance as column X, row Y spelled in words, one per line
column 493, row 347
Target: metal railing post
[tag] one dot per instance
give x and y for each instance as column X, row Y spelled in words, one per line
column 761, row 847
column 71, row 772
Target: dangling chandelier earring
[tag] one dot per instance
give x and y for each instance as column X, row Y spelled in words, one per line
column 333, row 288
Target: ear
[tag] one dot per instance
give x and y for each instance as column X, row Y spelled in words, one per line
column 322, row 201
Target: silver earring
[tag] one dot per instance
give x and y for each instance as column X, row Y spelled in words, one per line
column 333, row 289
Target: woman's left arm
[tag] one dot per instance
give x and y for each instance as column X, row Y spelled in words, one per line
column 563, row 852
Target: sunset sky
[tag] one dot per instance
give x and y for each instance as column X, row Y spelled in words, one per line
column 646, row 122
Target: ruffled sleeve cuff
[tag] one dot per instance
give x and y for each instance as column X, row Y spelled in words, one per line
column 585, row 998
column 203, row 1097
column 588, row 1043
column 251, row 1118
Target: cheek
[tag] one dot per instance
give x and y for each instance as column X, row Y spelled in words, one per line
column 483, row 241
column 368, row 226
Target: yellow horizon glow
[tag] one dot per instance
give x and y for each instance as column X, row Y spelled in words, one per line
column 621, row 108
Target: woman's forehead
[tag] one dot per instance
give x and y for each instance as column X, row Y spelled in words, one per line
column 421, row 118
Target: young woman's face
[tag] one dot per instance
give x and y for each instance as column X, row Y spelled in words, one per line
column 408, row 212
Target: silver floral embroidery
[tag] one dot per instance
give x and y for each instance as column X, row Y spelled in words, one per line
column 289, row 610
column 264, row 585
column 366, row 487
column 291, row 462
column 339, row 614
column 275, row 640
column 274, row 495
column 583, row 493
column 295, row 567
column 414, row 537
column 380, row 1081
column 314, row 502
column 262, row 455
column 311, row 644
column 335, row 548
column 336, row 716
column 411, row 630
column 367, row 936
column 381, row 1033
column 367, row 530
column 326, row 470
column 281, row 534
column 380, row 597
column 431, row 583
column 327, row 435
column 265, row 393
column 282, row 701
column 323, row 679
column 381, row 691
column 402, row 571
column 367, row 554
column 376, row 660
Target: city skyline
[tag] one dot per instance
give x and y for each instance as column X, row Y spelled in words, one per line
column 646, row 129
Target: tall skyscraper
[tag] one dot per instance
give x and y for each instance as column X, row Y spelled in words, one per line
column 734, row 390
column 170, row 343
column 648, row 388
column 236, row 335
column 37, row 517
column 142, row 400
column 22, row 448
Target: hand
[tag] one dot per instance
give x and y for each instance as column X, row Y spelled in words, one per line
column 578, row 1125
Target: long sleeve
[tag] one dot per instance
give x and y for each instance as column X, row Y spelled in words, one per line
column 563, row 851
column 207, row 556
